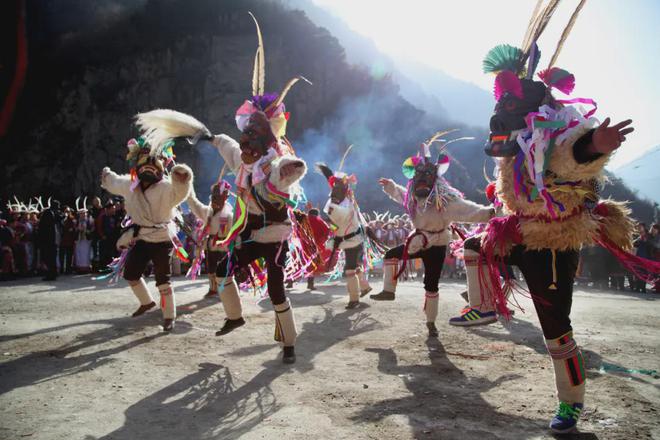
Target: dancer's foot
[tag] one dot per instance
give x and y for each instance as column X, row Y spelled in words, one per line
column 143, row 309
column 211, row 294
column 383, row 296
column 352, row 304
column 363, row 292
column 471, row 316
column 168, row 325
column 566, row 418
column 230, row 325
column 288, row 355
column 433, row 330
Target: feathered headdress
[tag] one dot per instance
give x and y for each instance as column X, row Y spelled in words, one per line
column 158, row 130
column 324, row 169
column 512, row 64
column 424, row 155
column 270, row 103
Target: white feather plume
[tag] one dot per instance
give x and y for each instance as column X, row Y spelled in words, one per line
column 160, row 125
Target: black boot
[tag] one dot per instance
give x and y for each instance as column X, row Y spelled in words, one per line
column 143, row 309
column 288, row 355
column 230, row 325
column 168, row 324
column 310, row 283
column 383, row 296
column 353, row 304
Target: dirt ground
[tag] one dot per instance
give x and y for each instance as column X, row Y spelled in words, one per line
column 75, row 365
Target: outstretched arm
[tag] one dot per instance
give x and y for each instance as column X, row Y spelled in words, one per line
column 229, row 150
column 392, row 189
column 182, row 177
column 584, row 153
column 200, row 210
column 114, row 183
column 466, row 211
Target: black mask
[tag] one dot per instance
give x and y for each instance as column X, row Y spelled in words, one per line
column 256, row 139
column 426, row 174
column 510, row 113
column 339, row 191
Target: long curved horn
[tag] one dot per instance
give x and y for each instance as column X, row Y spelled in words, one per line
column 259, row 72
column 285, row 90
column 341, row 164
column 564, row 34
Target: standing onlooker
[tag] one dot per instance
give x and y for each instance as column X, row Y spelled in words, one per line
column 94, row 213
column 643, row 248
column 84, row 231
column 109, row 232
column 7, row 268
column 49, row 225
column 67, row 241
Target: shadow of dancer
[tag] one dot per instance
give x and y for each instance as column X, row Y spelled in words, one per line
column 445, row 404
column 208, row 404
column 45, row 365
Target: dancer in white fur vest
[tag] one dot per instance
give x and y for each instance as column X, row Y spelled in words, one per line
column 150, row 201
column 267, row 175
column 217, row 217
column 350, row 232
column 433, row 205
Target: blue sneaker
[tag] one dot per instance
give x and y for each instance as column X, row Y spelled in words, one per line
column 566, row 417
column 470, row 316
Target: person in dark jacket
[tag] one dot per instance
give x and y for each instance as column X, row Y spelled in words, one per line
column 49, row 225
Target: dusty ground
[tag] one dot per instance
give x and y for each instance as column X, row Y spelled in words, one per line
column 75, row 366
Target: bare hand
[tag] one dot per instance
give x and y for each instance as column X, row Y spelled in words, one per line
column 384, row 182
column 181, row 176
column 289, row 169
column 607, row 139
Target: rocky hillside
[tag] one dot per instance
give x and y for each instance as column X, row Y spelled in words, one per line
column 93, row 65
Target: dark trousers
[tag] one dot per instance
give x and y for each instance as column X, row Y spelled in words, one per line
column 552, row 297
column 214, row 261
column 139, row 256
column 353, row 256
column 66, row 259
column 433, row 258
column 108, row 251
column 49, row 258
column 275, row 256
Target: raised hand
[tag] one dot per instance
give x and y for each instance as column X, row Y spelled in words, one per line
column 607, row 139
column 180, row 175
column 383, row 181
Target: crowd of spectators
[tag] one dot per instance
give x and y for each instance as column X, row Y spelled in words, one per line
column 58, row 239
column 54, row 239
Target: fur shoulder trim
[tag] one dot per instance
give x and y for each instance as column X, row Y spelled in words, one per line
column 616, row 223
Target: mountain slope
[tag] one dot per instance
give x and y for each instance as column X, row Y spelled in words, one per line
column 642, row 174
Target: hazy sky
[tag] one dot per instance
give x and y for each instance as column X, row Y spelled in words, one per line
column 613, row 50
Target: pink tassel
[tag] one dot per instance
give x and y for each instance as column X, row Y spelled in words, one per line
column 507, row 81
column 558, row 78
column 644, row 269
column 499, row 232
